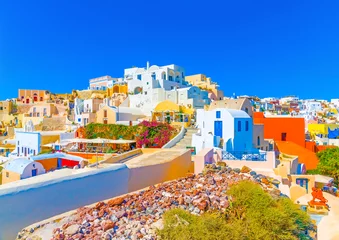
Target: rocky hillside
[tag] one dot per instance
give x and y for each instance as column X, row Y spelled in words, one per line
column 138, row 215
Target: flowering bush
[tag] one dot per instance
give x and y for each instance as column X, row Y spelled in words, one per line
column 150, row 134
column 154, row 134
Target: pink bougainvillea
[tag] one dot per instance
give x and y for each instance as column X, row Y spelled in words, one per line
column 154, row 134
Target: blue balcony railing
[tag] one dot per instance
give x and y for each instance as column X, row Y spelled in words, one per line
column 247, row 156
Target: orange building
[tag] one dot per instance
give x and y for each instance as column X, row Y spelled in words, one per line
column 279, row 128
column 31, row 96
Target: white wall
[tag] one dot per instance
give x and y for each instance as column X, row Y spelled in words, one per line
column 30, row 141
column 22, row 206
column 27, row 173
column 67, row 135
column 234, row 140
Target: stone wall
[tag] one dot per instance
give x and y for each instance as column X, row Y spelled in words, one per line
column 54, row 124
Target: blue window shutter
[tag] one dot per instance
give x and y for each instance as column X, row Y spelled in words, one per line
column 218, row 114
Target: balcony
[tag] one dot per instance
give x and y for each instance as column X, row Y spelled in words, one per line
column 247, row 156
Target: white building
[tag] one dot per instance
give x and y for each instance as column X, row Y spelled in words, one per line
column 27, row 144
column 24, row 167
column 229, row 129
column 84, row 110
column 335, row 102
column 285, row 100
column 102, row 83
column 152, row 85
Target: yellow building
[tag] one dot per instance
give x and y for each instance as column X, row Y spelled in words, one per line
column 6, row 107
column 117, row 89
column 205, row 83
column 316, row 129
column 106, row 115
column 168, row 111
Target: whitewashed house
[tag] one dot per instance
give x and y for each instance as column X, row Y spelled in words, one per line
column 229, row 129
column 27, row 142
column 104, row 82
column 152, row 85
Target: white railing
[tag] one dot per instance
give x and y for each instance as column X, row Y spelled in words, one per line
column 176, row 139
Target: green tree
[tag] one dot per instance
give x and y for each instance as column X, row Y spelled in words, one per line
column 329, row 162
column 253, row 214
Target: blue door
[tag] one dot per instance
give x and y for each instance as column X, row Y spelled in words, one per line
column 59, row 163
column 34, row 172
column 218, row 128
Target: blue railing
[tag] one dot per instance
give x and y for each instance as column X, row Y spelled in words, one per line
column 247, row 156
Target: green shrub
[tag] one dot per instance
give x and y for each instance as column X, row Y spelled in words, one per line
column 253, row 214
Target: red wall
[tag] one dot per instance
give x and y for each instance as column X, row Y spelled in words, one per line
column 68, row 163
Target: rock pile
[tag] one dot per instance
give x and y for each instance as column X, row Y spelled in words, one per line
column 138, row 215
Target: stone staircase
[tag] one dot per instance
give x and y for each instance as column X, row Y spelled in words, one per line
column 187, row 139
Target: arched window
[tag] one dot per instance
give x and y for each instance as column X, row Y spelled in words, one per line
column 258, row 141
column 164, row 76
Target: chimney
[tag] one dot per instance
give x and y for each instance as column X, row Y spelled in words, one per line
column 147, row 65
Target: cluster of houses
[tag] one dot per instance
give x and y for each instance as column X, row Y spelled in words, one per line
column 278, row 136
column 239, row 125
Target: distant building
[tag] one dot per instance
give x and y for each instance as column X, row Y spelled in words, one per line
column 26, row 96
column 238, row 104
column 103, row 83
column 206, row 83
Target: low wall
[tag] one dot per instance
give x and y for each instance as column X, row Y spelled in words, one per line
column 24, row 204
column 176, row 139
column 205, row 156
column 269, row 164
column 144, row 176
column 119, row 157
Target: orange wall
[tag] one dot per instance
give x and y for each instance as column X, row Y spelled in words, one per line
column 49, row 164
column 85, row 155
column 308, row 157
column 275, row 126
column 312, row 146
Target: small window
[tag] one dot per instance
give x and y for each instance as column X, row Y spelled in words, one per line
column 153, row 76
column 18, row 143
column 145, row 93
column 218, row 114
column 239, row 126
column 246, row 126
column 139, row 77
column 147, row 83
column 7, row 174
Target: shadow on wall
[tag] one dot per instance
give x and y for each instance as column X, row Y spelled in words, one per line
column 25, row 202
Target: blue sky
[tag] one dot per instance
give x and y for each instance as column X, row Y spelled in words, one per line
column 259, row 47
